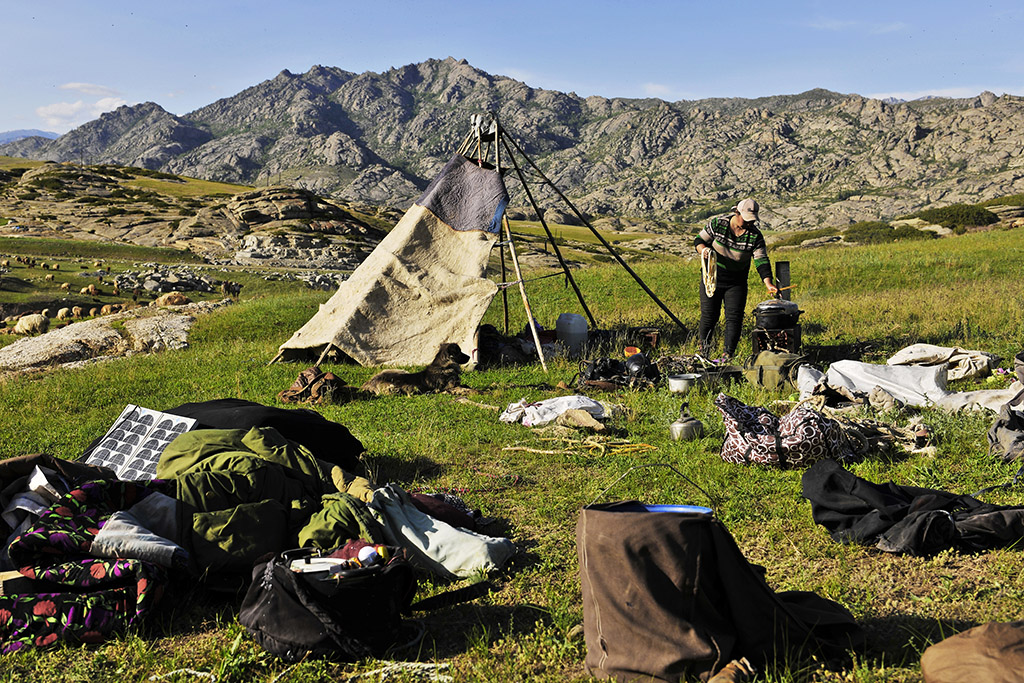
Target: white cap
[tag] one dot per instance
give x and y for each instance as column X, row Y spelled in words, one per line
column 747, row 209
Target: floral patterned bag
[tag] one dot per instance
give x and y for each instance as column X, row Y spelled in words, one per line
column 800, row 438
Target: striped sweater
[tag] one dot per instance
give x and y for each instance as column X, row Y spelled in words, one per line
column 734, row 254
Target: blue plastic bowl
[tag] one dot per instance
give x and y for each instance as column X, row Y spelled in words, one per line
column 689, row 509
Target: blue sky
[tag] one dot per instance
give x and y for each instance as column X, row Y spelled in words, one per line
column 65, row 62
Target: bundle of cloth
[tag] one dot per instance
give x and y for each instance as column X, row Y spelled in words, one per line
column 92, row 553
column 906, row 519
column 906, row 380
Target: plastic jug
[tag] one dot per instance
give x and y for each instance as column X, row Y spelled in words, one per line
column 571, row 330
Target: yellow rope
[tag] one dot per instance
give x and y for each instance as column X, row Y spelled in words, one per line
column 709, row 271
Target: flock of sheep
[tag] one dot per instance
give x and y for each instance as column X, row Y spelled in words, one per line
column 39, row 322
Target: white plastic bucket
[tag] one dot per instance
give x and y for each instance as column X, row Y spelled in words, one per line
column 571, row 330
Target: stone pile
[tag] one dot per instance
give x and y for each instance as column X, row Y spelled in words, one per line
column 311, row 279
column 301, row 250
column 158, row 279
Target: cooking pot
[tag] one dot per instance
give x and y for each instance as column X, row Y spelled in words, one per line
column 776, row 314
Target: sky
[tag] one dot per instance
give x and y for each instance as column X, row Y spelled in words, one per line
column 65, row 62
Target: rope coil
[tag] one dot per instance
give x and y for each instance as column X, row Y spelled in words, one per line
column 709, row 271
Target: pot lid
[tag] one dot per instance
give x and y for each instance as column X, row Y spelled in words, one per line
column 777, row 306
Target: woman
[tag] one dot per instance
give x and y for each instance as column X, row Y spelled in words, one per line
column 733, row 240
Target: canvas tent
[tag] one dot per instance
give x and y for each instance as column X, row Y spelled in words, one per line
column 423, row 285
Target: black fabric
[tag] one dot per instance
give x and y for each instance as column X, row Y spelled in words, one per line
column 1006, row 436
column 328, row 441
column 668, row 596
column 906, row 519
column 732, row 293
column 294, row 615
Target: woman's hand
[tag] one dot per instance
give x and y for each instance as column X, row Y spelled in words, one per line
column 770, row 286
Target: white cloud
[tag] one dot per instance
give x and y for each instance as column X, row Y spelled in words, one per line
column 90, row 89
column 852, row 26
column 894, row 27
column 659, row 90
column 67, row 115
column 826, row 24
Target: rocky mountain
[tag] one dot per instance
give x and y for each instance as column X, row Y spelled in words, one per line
column 12, row 135
column 815, row 158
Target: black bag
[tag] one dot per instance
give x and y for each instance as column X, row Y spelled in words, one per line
column 345, row 617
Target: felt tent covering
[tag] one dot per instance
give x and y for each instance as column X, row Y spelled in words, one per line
column 423, row 285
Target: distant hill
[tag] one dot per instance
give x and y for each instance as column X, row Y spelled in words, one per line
column 12, row 135
column 812, row 159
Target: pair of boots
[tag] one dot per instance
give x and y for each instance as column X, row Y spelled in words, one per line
column 314, row 386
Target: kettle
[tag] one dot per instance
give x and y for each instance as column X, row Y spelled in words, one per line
column 687, row 427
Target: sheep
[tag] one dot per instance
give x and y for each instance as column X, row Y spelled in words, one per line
column 91, row 290
column 64, row 314
column 97, row 264
column 33, row 323
column 47, row 312
column 116, row 290
column 76, row 311
column 171, row 299
column 48, row 277
column 65, row 286
column 5, row 263
column 84, row 290
column 107, row 309
column 46, row 266
column 55, row 266
column 93, row 312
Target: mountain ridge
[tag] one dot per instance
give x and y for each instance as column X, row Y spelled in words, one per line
column 813, row 158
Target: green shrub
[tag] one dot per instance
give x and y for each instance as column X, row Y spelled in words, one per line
column 797, row 238
column 879, row 232
column 709, row 211
column 958, row 214
column 1010, row 200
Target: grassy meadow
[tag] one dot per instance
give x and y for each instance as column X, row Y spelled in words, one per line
column 962, row 290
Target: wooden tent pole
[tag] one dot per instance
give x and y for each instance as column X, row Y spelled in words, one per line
column 611, row 250
column 551, row 238
column 501, row 252
column 504, row 290
column 522, row 290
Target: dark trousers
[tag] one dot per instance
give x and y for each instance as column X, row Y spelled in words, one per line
column 734, row 295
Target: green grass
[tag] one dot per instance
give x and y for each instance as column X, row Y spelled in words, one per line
column 961, row 290
column 57, row 248
column 191, row 187
column 8, row 163
column 575, row 233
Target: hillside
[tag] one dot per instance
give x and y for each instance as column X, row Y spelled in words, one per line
column 814, row 159
column 274, row 225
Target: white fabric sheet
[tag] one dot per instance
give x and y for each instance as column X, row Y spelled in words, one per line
column 546, row 411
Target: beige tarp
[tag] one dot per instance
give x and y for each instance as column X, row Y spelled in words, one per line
column 423, row 285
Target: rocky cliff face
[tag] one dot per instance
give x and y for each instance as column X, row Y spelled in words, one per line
column 817, row 158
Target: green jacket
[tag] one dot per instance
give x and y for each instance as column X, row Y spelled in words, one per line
column 245, row 493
